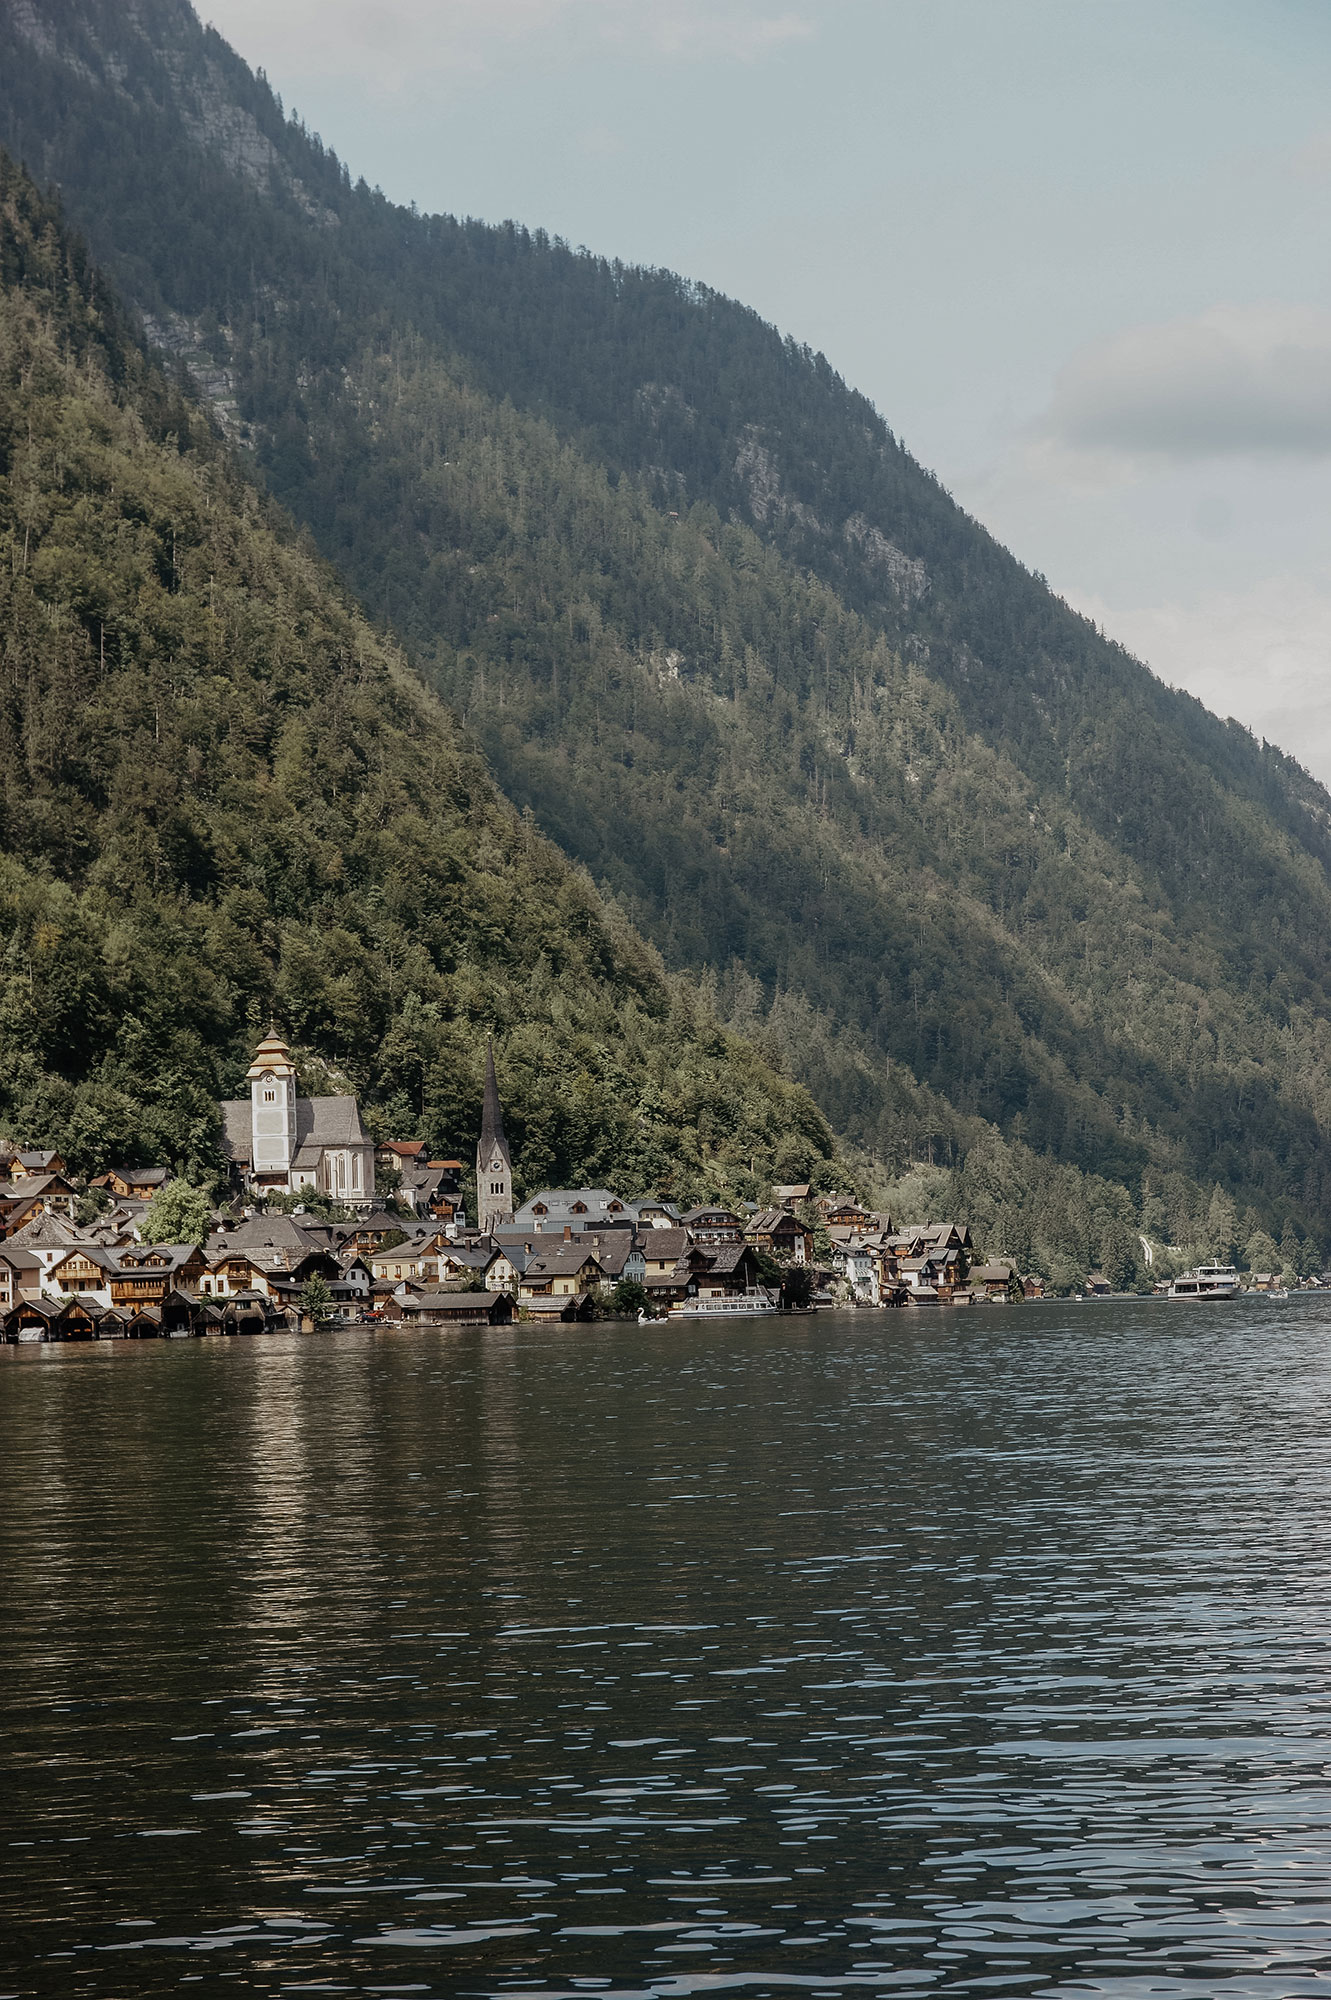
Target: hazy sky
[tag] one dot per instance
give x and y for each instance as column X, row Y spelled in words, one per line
column 1076, row 251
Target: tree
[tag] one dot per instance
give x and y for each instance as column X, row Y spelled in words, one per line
column 1222, row 1227
column 94, row 1201
column 316, row 1301
column 178, row 1213
column 629, row 1298
column 796, row 1286
column 326, row 1206
column 1262, row 1252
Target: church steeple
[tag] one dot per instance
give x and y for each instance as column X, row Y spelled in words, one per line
column 494, row 1168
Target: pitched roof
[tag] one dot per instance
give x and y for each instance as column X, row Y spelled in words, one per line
column 320, row 1122
column 46, row 1232
column 458, row 1301
column 595, row 1206
column 665, row 1245
column 561, row 1260
column 259, row 1232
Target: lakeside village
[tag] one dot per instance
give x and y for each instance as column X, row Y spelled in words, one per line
column 86, row 1261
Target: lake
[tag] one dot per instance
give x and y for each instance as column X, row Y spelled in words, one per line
column 914, row 1653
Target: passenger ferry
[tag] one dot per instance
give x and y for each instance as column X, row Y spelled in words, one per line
column 724, row 1306
column 1208, row 1281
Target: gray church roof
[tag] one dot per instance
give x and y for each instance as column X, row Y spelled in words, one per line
column 320, row 1122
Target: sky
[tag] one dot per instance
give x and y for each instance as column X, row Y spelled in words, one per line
column 1075, row 251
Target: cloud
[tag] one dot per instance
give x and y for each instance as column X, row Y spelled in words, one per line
column 1235, row 380
column 392, row 43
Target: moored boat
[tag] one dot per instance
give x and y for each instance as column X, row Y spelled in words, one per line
column 1208, row 1281
column 725, row 1307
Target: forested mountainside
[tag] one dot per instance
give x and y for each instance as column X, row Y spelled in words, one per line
column 953, row 853
column 223, row 799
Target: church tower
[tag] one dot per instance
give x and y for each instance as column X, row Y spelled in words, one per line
column 272, row 1081
column 494, row 1169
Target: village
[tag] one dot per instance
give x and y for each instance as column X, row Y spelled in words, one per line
column 326, row 1227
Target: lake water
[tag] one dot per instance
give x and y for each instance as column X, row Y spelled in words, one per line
column 919, row 1653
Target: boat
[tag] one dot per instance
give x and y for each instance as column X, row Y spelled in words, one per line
column 1208, row 1281
column 723, row 1308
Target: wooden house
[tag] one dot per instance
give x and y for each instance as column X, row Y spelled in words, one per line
column 455, row 1309
column 147, row 1272
column 781, row 1235
column 133, row 1183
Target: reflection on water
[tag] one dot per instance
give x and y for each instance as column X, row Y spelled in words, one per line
column 910, row 1653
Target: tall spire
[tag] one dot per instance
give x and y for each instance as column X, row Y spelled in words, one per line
column 494, row 1168
column 492, row 1118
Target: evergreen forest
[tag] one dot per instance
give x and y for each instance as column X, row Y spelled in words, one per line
column 1040, row 936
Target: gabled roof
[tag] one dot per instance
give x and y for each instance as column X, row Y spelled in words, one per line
column 561, row 1260
column 664, row 1245
column 45, row 1232
column 96, row 1253
column 724, row 1257
column 584, row 1207
column 158, row 1256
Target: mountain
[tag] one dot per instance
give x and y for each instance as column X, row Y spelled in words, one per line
column 223, row 797
column 941, row 846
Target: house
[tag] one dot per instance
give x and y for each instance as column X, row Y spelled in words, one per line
column 860, row 1266
column 456, row 1309
column 21, row 1163
column 948, row 1236
column 369, row 1231
column 34, row 1195
column 726, row 1270
column 712, row 1225
column 279, row 1142
column 1097, row 1284
column 20, row 1276
column 996, row 1279
column 791, row 1194
column 432, row 1258
column 780, row 1234
column 133, row 1183
column 565, row 1270
column 557, row 1209
column 843, row 1212
column 654, row 1214
column 560, row 1308
column 86, row 1270
column 662, row 1252
column 148, row 1272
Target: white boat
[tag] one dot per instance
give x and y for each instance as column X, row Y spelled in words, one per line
column 723, row 1308
column 1208, row 1281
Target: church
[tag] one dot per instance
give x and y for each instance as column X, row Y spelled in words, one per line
column 494, row 1167
column 278, row 1142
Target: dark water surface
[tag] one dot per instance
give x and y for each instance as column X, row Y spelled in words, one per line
column 979, row 1652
